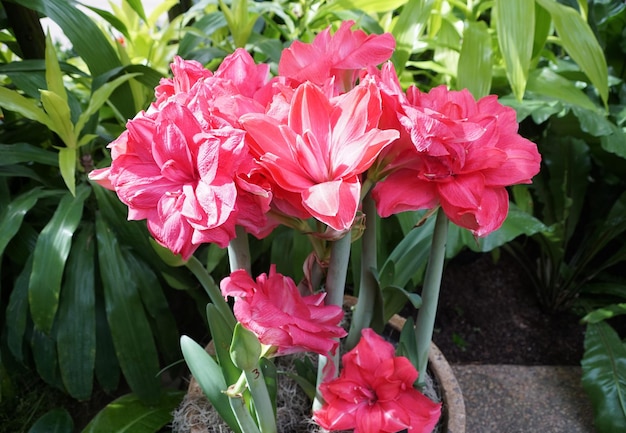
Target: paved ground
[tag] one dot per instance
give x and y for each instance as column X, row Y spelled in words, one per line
column 522, row 399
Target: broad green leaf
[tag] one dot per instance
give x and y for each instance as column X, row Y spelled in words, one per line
column 475, row 65
column 54, row 77
column 604, row 377
column 67, row 165
column 130, row 330
column 54, row 421
column 60, row 116
column 11, row 216
column 43, row 348
column 53, row 247
column 17, row 153
column 17, row 312
column 107, row 365
column 543, row 26
column 128, row 414
column 210, row 378
column 13, row 101
column 98, row 98
column 546, row 82
column 580, row 43
column 137, row 6
column 408, row 29
column 76, row 318
column 111, row 19
column 615, row 142
column 515, row 25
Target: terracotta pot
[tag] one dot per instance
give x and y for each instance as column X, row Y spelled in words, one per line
column 453, row 413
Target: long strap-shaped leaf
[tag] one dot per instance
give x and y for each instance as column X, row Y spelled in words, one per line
column 76, row 319
column 130, row 329
column 53, row 247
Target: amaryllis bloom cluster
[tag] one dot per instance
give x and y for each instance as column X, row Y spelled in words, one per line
column 374, row 392
column 272, row 308
column 462, row 155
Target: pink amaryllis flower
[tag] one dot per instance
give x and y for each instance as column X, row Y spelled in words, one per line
column 374, row 392
column 341, row 55
column 317, row 158
column 466, row 153
column 177, row 176
column 273, row 309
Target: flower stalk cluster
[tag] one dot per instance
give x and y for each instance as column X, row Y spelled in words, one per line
column 324, row 147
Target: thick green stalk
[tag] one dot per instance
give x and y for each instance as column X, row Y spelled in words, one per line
column 205, row 279
column 335, row 287
column 368, row 288
column 425, row 321
column 239, row 251
column 245, row 420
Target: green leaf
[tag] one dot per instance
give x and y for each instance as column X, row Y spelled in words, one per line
column 76, row 318
column 546, row 82
column 16, row 153
column 475, row 66
column 222, row 336
column 128, row 414
column 11, row 216
column 137, row 6
column 17, row 312
column 107, row 365
column 54, row 421
column 606, row 312
column 515, row 24
column 54, row 77
column 604, row 377
column 130, row 329
column 580, row 43
column 43, row 348
column 245, row 349
column 13, row 101
column 98, row 98
column 67, row 166
column 53, row 247
column 59, row 113
column 408, row 29
column 210, row 378
column 367, row 6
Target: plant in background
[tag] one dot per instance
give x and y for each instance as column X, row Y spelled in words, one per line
column 320, row 148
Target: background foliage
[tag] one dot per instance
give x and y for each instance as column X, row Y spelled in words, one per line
column 88, row 304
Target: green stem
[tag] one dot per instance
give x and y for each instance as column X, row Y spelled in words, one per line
column 425, row 321
column 262, row 401
column 368, row 288
column 205, row 279
column 239, row 251
column 335, row 287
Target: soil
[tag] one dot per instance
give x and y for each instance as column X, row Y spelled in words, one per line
column 489, row 314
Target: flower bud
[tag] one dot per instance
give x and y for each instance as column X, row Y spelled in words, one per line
column 245, row 349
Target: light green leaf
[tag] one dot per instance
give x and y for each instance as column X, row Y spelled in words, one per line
column 606, row 312
column 580, row 43
column 474, row 67
column 54, row 77
column 54, row 421
column 60, row 116
column 515, row 25
column 76, row 318
column 137, row 6
column 210, row 378
column 130, row 329
column 548, row 83
column 13, row 101
column 128, row 414
column 408, row 29
column 67, row 165
column 51, row 251
column 604, row 377
column 98, row 98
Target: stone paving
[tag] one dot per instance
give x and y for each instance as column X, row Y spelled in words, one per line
column 524, row 399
